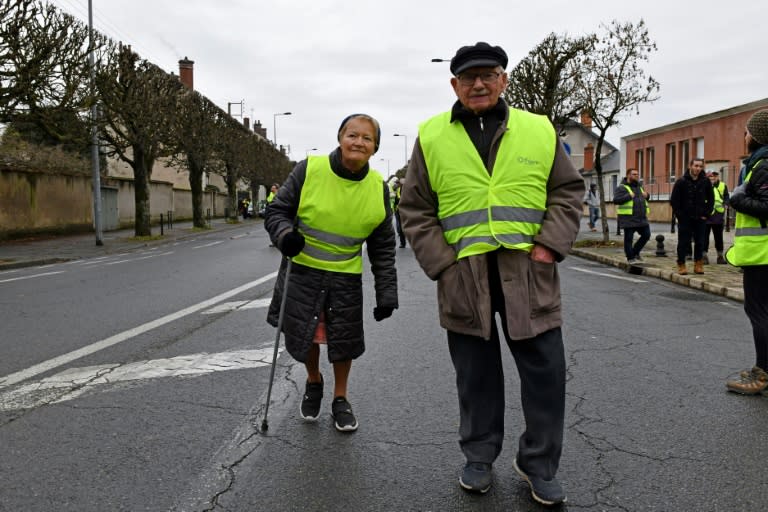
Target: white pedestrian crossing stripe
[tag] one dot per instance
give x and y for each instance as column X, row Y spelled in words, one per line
column 75, row 382
column 239, row 304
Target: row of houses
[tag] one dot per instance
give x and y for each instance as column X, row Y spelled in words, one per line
column 662, row 154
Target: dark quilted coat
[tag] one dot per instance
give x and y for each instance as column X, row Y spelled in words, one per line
column 339, row 295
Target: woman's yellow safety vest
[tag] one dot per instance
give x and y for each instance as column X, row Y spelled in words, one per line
column 750, row 240
column 719, row 191
column 628, row 207
column 336, row 216
column 480, row 212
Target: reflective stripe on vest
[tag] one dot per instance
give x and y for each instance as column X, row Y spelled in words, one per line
column 750, row 240
column 719, row 191
column 628, row 207
column 480, row 212
column 336, row 216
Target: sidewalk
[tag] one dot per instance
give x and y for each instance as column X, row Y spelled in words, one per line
column 48, row 249
column 723, row 280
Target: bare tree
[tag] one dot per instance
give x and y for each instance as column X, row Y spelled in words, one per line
column 138, row 111
column 614, row 82
column 545, row 81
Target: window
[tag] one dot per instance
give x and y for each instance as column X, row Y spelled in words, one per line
column 685, row 156
column 639, row 162
column 650, row 156
column 672, row 159
column 699, row 142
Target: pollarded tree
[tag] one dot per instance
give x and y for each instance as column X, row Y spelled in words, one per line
column 138, row 102
column 544, row 82
column 614, row 82
column 195, row 131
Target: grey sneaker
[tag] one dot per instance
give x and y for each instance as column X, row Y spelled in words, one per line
column 310, row 404
column 476, row 477
column 547, row 492
column 344, row 419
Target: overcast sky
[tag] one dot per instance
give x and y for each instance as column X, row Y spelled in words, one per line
column 324, row 59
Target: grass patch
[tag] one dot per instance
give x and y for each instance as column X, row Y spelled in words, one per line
column 146, row 238
column 195, row 229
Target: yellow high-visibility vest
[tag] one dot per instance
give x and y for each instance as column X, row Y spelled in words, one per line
column 480, row 212
column 750, row 240
column 336, row 216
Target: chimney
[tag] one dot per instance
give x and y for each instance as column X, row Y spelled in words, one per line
column 186, row 73
column 589, row 157
column 586, row 120
column 259, row 129
column 247, row 123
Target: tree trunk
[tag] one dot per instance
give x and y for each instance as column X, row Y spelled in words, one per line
column 141, row 174
column 601, row 187
column 232, row 194
column 196, row 184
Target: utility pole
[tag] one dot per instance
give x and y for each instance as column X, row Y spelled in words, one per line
column 97, row 221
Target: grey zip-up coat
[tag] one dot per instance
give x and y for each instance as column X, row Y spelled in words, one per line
column 531, row 289
column 339, row 295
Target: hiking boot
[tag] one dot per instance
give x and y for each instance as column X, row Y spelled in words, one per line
column 749, row 382
column 698, row 267
column 310, row 404
column 344, row 419
column 476, row 477
column 681, row 269
column 721, row 259
column 547, row 492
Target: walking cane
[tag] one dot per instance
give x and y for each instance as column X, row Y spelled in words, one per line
column 264, row 424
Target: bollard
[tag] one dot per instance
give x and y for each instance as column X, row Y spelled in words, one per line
column 161, row 224
column 170, row 219
column 208, row 215
column 660, row 251
column 672, row 225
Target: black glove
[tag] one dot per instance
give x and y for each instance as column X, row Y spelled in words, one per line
column 292, row 244
column 382, row 312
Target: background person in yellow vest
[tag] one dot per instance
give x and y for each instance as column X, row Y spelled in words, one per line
column 398, row 222
column 750, row 251
column 632, row 213
column 272, row 192
column 490, row 203
column 328, row 207
column 716, row 221
column 692, row 201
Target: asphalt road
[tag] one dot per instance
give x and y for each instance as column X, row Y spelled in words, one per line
column 155, row 422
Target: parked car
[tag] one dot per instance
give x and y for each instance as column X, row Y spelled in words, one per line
column 262, row 207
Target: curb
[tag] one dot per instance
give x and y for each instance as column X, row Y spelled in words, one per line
column 736, row 294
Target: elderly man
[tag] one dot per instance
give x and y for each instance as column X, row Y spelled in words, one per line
column 490, row 205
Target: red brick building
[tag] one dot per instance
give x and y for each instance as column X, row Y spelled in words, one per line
column 662, row 154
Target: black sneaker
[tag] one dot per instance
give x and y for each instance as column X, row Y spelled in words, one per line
column 344, row 419
column 547, row 492
column 476, row 477
column 310, row 404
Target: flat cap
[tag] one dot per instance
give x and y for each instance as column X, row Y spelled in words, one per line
column 481, row 54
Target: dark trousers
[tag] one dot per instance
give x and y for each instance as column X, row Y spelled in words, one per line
column 399, row 228
column 633, row 251
column 756, row 308
column 717, row 232
column 480, row 383
column 687, row 230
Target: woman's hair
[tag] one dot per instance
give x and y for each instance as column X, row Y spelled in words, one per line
column 368, row 118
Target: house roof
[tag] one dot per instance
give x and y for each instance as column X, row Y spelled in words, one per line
column 575, row 125
column 610, row 163
column 753, row 105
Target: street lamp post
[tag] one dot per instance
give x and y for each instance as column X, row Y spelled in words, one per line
column 274, row 125
column 406, row 145
column 310, row 149
column 441, row 60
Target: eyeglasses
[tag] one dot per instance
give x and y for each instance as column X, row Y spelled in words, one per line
column 488, row 77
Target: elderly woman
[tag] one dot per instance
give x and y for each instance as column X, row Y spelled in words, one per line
column 322, row 215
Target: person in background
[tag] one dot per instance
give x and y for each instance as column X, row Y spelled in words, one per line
column 750, row 252
column 593, row 204
column 632, row 213
column 716, row 220
column 692, row 201
column 327, row 209
column 398, row 223
column 272, row 192
column 490, row 204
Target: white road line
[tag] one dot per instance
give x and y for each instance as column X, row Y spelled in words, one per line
column 207, row 245
column 240, row 304
column 622, row 278
column 125, row 335
column 32, row 276
column 75, row 382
